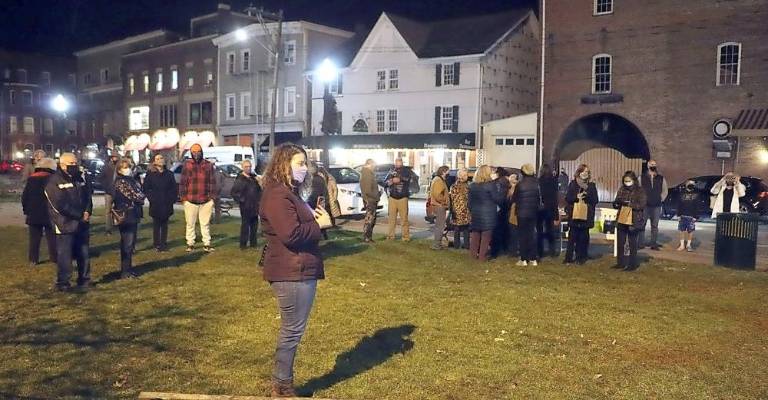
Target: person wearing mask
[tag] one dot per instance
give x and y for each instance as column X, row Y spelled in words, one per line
column 35, row 207
column 548, row 213
column 500, row 241
column 727, row 191
column 197, row 190
column 655, row 187
column 128, row 203
column 687, row 210
column 31, row 165
column 513, row 243
column 483, row 201
column 332, row 204
column 398, row 185
column 246, row 191
column 527, row 199
column 292, row 261
column 459, row 194
column 70, row 207
column 162, row 191
column 108, row 176
column 630, row 201
column 581, row 199
column 371, row 197
column 438, row 194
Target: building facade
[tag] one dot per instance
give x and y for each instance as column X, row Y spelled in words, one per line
column 666, row 80
column 27, row 119
column 422, row 90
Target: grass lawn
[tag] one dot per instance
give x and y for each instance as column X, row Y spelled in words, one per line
column 392, row 321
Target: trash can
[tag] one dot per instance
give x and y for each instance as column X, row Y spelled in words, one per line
column 736, row 240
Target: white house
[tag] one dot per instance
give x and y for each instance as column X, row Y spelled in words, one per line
column 421, row 90
column 510, row 142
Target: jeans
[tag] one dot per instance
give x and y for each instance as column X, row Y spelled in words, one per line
column 295, row 302
column 578, row 243
column 249, row 226
column 653, row 214
column 458, row 232
column 440, row 215
column 370, row 219
column 480, row 244
column 127, row 244
column 546, row 229
column 160, row 233
column 35, row 237
column 193, row 212
column 69, row 246
column 627, row 235
column 108, row 212
column 398, row 207
column 527, row 236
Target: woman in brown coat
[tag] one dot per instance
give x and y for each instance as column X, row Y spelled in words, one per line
column 292, row 261
column 459, row 194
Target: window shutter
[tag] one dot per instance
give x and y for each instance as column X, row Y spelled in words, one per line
column 438, row 75
column 340, row 86
column 437, row 118
column 455, row 126
column 456, row 71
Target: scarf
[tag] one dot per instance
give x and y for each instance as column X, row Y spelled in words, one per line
column 584, row 184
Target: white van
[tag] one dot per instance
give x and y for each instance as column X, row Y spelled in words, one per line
column 226, row 155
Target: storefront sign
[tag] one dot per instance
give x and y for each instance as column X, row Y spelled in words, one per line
column 360, row 126
column 435, row 146
column 366, row 146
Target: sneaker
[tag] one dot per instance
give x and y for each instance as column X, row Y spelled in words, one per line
column 680, row 248
column 533, row 263
column 190, row 249
column 128, row 275
column 208, row 249
column 522, row 263
column 689, row 249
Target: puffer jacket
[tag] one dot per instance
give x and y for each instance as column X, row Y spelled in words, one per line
column 460, row 203
column 633, row 197
column 527, row 197
column 484, row 199
column 68, row 199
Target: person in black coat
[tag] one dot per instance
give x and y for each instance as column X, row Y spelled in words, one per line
column 484, row 199
column 162, row 191
column 128, row 200
column 630, row 195
column 527, row 199
column 318, row 188
column 549, row 212
column 582, row 189
column 500, row 242
column 247, row 193
column 35, row 207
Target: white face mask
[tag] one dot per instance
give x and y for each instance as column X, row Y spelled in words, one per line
column 494, row 176
column 584, row 175
column 628, row 183
column 125, row 172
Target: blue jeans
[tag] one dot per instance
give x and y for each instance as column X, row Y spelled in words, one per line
column 295, row 302
column 69, row 246
column 127, row 245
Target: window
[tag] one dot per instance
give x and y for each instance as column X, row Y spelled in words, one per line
column 209, row 78
column 131, row 86
column 159, row 83
column 603, row 7
column 21, row 75
column 230, row 63
column 334, row 86
column 12, row 97
column 446, row 119
column 138, row 118
column 530, row 142
column 174, row 79
column 168, row 116
column 392, row 120
column 146, row 83
column 191, row 82
column 230, row 106
column 87, row 79
column 245, row 57
column 290, row 101
column 289, row 52
column 245, row 105
column 448, row 74
column 29, row 125
column 271, row 93
column 381, row 80
column 45, row 78
column 48, row 126
column 26, row 98
column 381, row 124
column 48, row 148
column 601, row 74
column 394, row 82
column 13, row 123
column 104, row 76
column 201, row 113
column 728, row 63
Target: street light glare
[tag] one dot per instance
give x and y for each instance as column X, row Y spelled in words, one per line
column 327, row 71
column 60, row 104
column 240, row 35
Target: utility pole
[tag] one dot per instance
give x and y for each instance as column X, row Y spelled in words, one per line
column 276, row 52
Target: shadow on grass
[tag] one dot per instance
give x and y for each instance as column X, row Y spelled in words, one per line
column 155, row 265
column 370, row 351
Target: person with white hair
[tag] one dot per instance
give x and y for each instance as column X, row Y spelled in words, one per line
column 29, row 168
column 35, row 207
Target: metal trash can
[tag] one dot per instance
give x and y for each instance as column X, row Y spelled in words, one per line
column 736, row 240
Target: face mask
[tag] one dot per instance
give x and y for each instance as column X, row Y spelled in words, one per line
column 125, row 172
column 689, row 187
column 73, row 170
column 584, row 175
column 299, row 173
column 494, row 176
column 197, row 156
column 628, row 183
column 653, row 169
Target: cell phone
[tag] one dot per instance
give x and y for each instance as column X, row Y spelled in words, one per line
column 321, row 202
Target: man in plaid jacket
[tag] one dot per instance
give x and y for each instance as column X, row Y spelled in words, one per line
column 197, row 190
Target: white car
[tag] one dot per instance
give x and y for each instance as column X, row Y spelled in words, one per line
column 350, row 196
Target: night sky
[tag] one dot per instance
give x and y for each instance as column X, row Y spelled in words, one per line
column 63, row 26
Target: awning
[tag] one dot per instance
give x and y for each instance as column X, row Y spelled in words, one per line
column 751, row 122
column 464, row 141
column 280, row 138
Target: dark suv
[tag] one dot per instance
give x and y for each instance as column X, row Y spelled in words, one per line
column 382, row 170
column 755, row 201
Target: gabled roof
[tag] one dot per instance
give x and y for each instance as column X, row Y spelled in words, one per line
column 456, row 37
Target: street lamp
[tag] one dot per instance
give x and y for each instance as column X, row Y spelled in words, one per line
column 61, row 105
column 326, row 73
column 241, row 35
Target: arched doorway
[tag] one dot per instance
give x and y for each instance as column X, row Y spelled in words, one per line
column 610, row 144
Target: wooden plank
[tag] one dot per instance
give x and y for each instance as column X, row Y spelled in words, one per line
column 185, row 396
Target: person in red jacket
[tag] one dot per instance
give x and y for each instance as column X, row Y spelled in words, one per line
column 197, row 189
column 291, row 259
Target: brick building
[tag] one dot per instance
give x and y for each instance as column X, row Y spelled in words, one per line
column 650, row 80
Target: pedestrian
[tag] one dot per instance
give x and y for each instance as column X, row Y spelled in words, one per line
column 398, row 185
column 247, row 193
column 500, row 241
column 655, row 187
column 513, row 242
column 549, row 213
column 459, row 194
column 483, row 201
column 332, row 206
column 162, row 192
column 438, row 194
column 318, row 190
column 527, row 199
column 581, row 199
column 291, row 260
column 127, row 212
column 108, row 175
column 371, row 196
column 31, row 165
column 728, row 190
column 69, row 207
column 35, row 207
column 687, row 210
column 218, row 177
column 630, row 201
column 198, row 188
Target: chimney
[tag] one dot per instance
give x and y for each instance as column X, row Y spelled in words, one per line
column 223, row 6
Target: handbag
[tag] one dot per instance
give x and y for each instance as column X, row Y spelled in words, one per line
column 119, row 217
column 580, row 211
column 513, row 214
column 324, row 220
column 625, row 216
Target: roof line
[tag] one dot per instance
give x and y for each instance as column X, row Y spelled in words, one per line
column 164, row 46
column 120, row 42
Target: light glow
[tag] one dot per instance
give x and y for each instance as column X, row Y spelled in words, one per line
column 763, row 156
column 60, row 104
column 240, row 35
column 327, row 71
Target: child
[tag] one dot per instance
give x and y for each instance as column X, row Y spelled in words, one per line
column 687, row 211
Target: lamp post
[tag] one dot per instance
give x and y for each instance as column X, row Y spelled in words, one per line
column 61, row 105
column 326, row 73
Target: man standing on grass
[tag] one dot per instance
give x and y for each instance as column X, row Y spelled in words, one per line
column 371, row 197
column 398, row 183
column 655, row 187
column 197, row 189
column 108, row 177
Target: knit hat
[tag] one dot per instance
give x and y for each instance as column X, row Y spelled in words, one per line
column 528, row 169
column 196, row 148
column 47, row 163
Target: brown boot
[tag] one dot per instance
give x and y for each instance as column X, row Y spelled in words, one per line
column 283, row 389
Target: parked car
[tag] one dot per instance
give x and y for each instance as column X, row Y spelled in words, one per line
column 755, row 201
column 5, row 165
column 382, row 170
column 16, row 166
column 350, row 196
column 94, row 168
column 230, row 172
